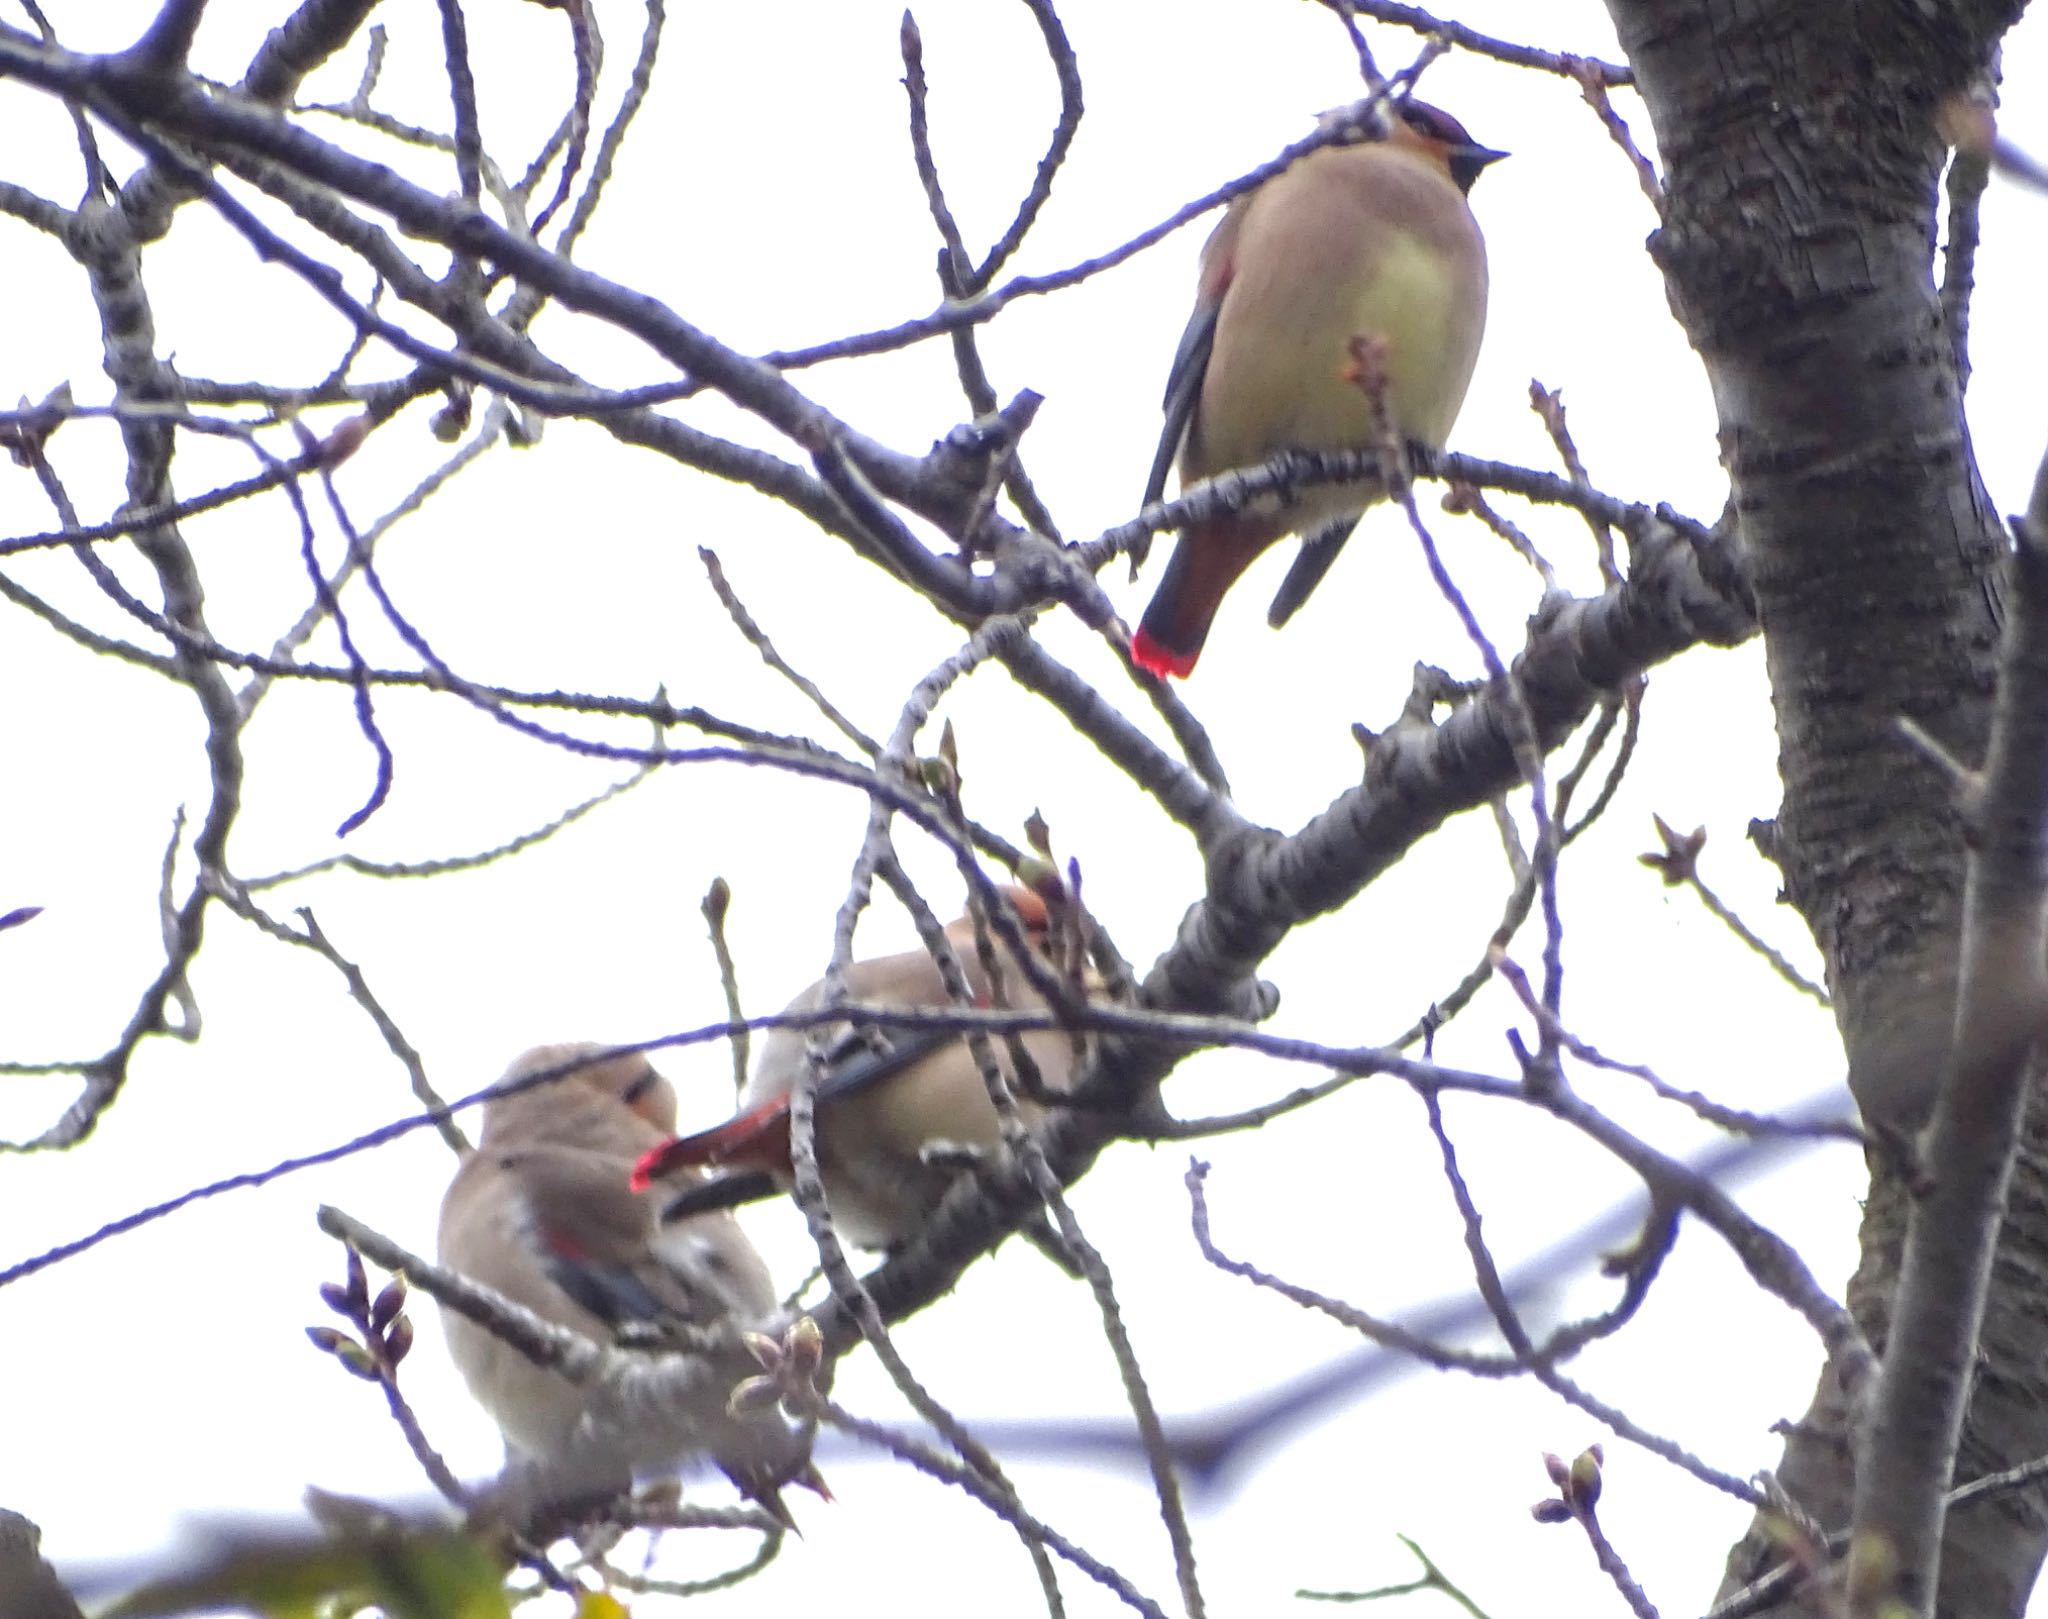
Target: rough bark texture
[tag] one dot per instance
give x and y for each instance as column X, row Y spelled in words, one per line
column 29, row 1587
column 1802, row 171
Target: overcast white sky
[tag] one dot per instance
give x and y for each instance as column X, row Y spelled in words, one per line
column 767, row 196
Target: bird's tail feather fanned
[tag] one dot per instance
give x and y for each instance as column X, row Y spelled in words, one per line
column 758, row 1137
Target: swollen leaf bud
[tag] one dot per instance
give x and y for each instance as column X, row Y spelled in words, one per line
column 1586, row 1477
column 346, row 1350
column 941, row 780
column 389, row 1302
column 1042, row 877
column 806, row 1347
column 357, row 1359
column 752, row 1394
column 450, row 421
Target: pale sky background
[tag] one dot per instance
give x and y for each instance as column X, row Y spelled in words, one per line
column 767, row 196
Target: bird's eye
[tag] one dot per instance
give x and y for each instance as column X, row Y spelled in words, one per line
column 639, row 1086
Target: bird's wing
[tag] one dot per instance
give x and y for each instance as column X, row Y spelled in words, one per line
column 1191, row 361
column 1183, row 389
column 1311, row 562
column 615, row 1294
column 857, row 1061
column 595, row 1235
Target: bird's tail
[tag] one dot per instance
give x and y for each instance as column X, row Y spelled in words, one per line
column 763, row 1486
column 1206, row 562
column 757, row 1138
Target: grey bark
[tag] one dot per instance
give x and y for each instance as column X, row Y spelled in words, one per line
column 1802, row 172
column 29, row 1587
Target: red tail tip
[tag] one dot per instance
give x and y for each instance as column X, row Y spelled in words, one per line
column 648, row 1170
column 1155, row 659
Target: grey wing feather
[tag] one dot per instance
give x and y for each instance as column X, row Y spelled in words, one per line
column 612, row 1293
column 1183, row 389
column 854, row 1064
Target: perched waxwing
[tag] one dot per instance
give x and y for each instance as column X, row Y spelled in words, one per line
column 543, row 1213
column 1369, row 240
column 900, row 1110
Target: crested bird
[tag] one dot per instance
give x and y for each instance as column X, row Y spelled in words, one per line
column 1369, row 241
column 542, row 1212
column 900, row 1109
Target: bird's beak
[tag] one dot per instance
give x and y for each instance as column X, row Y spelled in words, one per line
column 1466, row 161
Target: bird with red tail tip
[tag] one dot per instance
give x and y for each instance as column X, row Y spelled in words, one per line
column 900, row 1109
column 1365, row 241
column 541, row 1213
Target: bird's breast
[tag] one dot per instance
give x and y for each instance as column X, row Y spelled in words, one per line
column 1388, row 252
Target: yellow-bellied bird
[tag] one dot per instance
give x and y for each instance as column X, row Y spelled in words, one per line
column 900, row 1109
column 1371, row 240
column 543, row 1213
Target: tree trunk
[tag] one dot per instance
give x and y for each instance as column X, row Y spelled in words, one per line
column 1802, row 171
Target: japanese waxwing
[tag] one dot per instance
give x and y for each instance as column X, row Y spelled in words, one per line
column 1369, row 240
column 542, row 1213
column 900, row 1110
